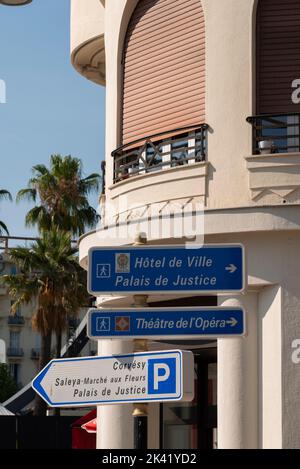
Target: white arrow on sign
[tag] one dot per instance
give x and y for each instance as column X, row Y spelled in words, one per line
column 231, row 268
column 233, row 322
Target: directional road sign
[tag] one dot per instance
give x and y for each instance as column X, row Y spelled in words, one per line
column 136, row 377
column 173, row 269
column 165, row 323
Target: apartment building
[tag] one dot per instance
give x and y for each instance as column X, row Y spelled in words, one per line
column 202, row 110
column 22, row 343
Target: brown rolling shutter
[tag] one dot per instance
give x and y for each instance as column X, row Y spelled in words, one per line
column 164, row 68
column 278, row 55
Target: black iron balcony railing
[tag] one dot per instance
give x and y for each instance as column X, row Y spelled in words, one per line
column 15, row 352
column 35, row 353
column 277, row 133
column 16, row 321
column 152, row 153
column 103, row 176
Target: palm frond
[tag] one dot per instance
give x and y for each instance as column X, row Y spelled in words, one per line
column 38, row 216
column 4, row 194
column 28, row 194
column 41, row 169
column 3, row 227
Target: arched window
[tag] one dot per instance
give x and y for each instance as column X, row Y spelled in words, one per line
column 163, row 68
column 278, row 56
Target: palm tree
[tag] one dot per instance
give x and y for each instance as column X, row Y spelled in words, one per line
column 49, row 273
column 4, row 195
column 61, row 194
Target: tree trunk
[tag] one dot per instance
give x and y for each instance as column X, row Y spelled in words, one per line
column 57, row 355
column 40, row 406
column 58, row 344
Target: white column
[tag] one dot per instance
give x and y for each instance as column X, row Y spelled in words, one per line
column 114, row 422
column 238, row 381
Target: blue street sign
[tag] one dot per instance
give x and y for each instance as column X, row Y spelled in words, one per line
column 166, row 323
column 135, row 377
column 173, row 269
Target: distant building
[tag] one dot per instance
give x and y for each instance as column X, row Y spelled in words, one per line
column 22, row 342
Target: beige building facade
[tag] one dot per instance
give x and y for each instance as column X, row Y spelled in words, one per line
column 214, row 154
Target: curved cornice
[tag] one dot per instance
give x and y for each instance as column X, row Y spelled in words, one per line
column 15, row 3
column 89, row 59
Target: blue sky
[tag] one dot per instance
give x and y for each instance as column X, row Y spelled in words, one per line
column 50, row 108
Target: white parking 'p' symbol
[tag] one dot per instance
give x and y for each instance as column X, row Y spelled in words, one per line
column 159, row 377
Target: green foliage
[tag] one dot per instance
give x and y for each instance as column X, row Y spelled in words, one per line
column 4, row 195
column 8, row 386
column 50, row 274
column 61, row 195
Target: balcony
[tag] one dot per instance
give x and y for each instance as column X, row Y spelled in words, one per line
column 35, row 354
column 164, row 174
column 159, row 152
column 16, row 321
column 103, row 177
column 274, row 166
column 281, row 131
column 15, row 352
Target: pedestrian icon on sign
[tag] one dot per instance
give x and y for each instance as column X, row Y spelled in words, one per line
column 103, row 270
column 103, row 324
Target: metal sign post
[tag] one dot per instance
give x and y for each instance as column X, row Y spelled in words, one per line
column 140, row 410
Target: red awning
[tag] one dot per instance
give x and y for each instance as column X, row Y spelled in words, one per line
column 81, row 438
column 91, row 426
column 85, row 418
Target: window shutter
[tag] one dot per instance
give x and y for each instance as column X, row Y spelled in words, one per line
column 278, row 55
column 164, row 68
